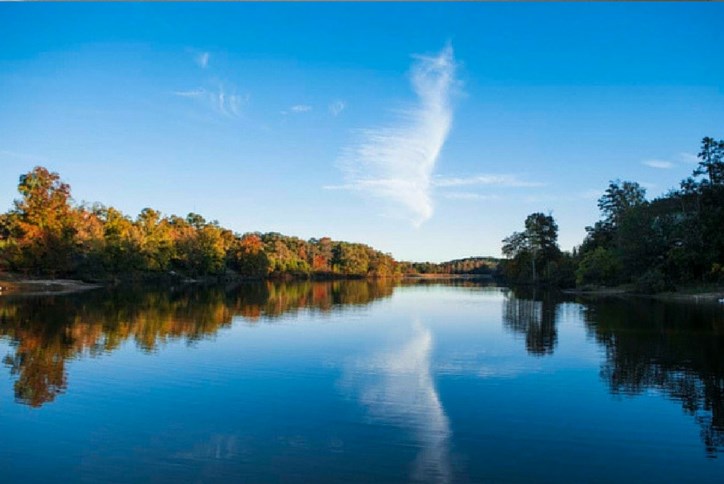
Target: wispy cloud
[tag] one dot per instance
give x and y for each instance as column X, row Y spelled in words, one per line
column 560, row 197
column 22, row 156
column 191, row 93
column 202, row 59
column 591, row 194
column 220, row 101
column 688, row 158
column 658, row 164
column 337, row 107
column 489, row 180
column 469, row 196
column 395, row 162
column 680, row 158
column 300, row 108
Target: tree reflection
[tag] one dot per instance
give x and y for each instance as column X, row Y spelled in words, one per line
column 533, row 314
column 45, row 332
column 677, row 349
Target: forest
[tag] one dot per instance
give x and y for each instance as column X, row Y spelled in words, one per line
column 47, row 234
column 649, row 246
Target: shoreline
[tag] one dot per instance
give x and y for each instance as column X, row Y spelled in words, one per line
column 470, row 277
column 705, row 295
column 43, row 287
column 18, row 285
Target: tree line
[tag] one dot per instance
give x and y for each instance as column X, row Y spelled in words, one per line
column 673, row 240
column 468, row 265
column 46, row 233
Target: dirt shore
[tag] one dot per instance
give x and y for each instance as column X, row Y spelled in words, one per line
column 603, row 291
column 716, row 295
column 18, row 286
column 707, row 294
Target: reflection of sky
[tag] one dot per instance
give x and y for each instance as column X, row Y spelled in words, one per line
column 398, row 388
column 218, row 447
column 262, row 401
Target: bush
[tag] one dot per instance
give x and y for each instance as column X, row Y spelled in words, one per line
column 600, row 266
column 652, row 282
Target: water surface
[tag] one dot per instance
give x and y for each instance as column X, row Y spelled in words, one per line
column 358, row 381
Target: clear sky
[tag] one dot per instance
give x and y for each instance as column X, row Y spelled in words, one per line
column 426, row 130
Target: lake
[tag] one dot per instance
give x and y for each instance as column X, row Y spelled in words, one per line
column 358, row 381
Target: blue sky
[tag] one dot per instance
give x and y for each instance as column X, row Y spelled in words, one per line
column 426, row 130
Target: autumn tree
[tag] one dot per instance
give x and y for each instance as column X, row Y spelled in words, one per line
column 202, row 250
column 247, row 256
column 122, row 241
column 44, row 218
column 46, row 233
column 157, row 241
column 90, row 242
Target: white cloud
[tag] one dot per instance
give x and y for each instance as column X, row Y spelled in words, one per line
column 688, row 158
column 658, row 164
column 191, row 93
column 561, row 196
column 301, row 108
column 220, row 101
column 23, row 156
column 469, row 196
column 395, row 162
column 202, row 59
column 496, row 180
column 545, row 198
column 344, row 186
column 337, row 107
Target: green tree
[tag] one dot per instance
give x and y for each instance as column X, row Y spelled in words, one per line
column 600, row 266
column 536, row 247
column 712, row 160
column 618, row 199
column 202, row 250
column 122, row 242
column 350, row 259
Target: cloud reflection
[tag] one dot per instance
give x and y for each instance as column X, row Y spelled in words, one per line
column 400, row 390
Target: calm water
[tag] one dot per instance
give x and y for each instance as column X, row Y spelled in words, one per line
column 358, row 382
